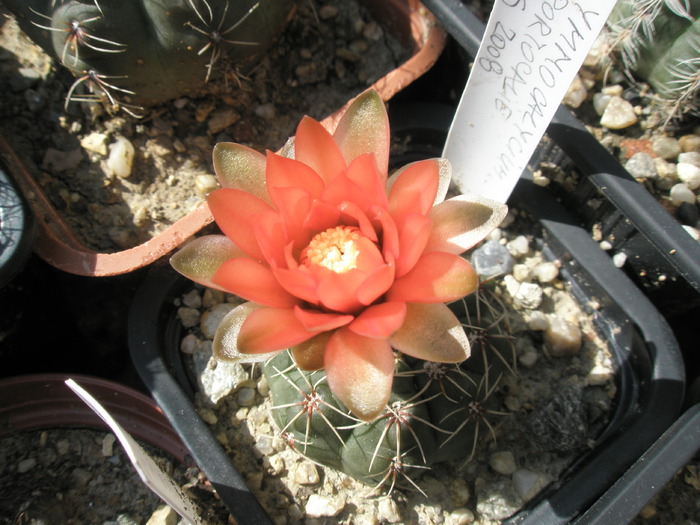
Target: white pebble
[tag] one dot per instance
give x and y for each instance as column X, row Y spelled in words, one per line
column 600, row 102
column 205, row 183
column 537, row 321
column 518, row 246
column 462, row 516
column 189, row 317
column 681, row 193
column 192, row 299
column 525, row 295
column 605, row 245
column 319, row 506
column 689, row 174
column 306, row 473
column 108, row 445
column 576, row 93
column 690, row 157
column 599, row 375
column 562, row 337
column 388, row 511
column 503, row 462
column 528, row 483
column 189, row 344
column 619, row 259
column 95, row 142
column 546, row 272
column 163, row 515
column 121, row 158
column 211, row 318
column 528, row 359
column 618, row 114
column 521, row 272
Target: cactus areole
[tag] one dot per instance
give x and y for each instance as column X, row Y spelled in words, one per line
column 144, row 52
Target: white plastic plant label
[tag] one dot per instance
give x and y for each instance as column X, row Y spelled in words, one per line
column 528, row 57
column 149, row 471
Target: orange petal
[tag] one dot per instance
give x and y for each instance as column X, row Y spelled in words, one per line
column 413, row 237
column 445, row 178
column 337, row 291
column 200, row 258
column 299, row 283
column 322, row 216
column 363, row 172
column 240, row 167
column 225, row 344
column 360, row 371
column 309, row 355
column 235, row 213
column 342, row 189
column 364, row 128
column 352, row 215
column 315, row 147
column 271, row 236
column 376, row 284
column 266, row 330
column 316, row 321
column 437, row 277
column 289, row 173
column 461, row 222
column 380, row 320
column 414, row 190
column 433, row 333
column 253, row 281
column 294, row 205
column 390, row 235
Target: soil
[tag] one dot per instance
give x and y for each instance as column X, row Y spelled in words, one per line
column 328, row 53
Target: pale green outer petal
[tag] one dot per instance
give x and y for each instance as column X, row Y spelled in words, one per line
column 461, row 222
column 433, row 333
column 289, row 149
column 200, row 258
column 364, row 128
column 241, row 168
column 444, row 171
column 225, row 345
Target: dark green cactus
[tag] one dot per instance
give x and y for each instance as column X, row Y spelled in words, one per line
column 659, row 41
column 143, row 52
column 437, row 412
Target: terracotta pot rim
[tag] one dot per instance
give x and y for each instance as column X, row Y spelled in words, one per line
column 57, row 244
column 41, row 401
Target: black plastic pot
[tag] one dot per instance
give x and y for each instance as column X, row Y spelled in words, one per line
column 650, row 377
column 17, row 228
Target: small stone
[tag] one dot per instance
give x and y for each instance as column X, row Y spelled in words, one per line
column 537, row 321
column 266, row 111
column 492, row 259
column 690, row 142
column 689, row 174
column 212, row 297
column 521, row 272
column 619, row 259
column 648, row 511
column 459, row 491
column 216, row 379
column 26, row 465
column 641, row 166
column 503, row 462
column 163, row 515
column 618, row 114
column 528, row 359
column 189, row 344
column 462, row 516
column 614, row 90
column 246, row 397
column 189, row 317
column 62, row 447
column 681, row 193
column 600, row 102
column 263, row 387
column 667, row 148
column 306, row 473
column 496, row 500
column 546, row 272
column 81, row 476
column 525, row 295
column 95, row 142
column 560, row 421
column 688, row 213
column 528, row 483
column 562, row 337
column 205, row 183
column 192, row 299
column 108, row 445
column 319, row 506
column 327, row 12
column 388, row 511
column 576, row 93
column 690, row 157
column 599, row 375
column 519, row 246
column 211, row 319
column 121, row 158
column 222, row 119
column 666, row 173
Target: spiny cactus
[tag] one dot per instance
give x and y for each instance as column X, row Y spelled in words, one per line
column 143, row 52
column 659, row 41
column 436, row 412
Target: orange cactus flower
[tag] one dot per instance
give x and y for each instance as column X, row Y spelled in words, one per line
column 340, row 263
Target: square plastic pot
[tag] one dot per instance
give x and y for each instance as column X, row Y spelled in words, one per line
column 650, row 378
column 407, row 20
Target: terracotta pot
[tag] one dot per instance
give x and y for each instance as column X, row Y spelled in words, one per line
column 39, row 401
column 57, row 244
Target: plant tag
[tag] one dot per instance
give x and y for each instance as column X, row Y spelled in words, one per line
column 528, row 57
column 149, row 471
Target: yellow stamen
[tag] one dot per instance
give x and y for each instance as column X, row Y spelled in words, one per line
column 335, row 249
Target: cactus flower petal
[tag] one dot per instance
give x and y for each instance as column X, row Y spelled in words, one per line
column 360, row 371
column 433, row 333
column 200, row 258
column 240, row 167
column 461, row 222
column 438, row 277
column 340, row 262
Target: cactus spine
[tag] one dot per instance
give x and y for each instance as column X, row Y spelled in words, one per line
column 659, row 41
column 436, row 412
column 143, row 52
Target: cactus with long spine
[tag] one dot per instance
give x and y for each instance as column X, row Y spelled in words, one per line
column 659, row 41
column 143, row 52
column 437, row 412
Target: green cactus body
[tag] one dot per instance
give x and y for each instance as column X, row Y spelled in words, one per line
column 659, row 42
column 149, row 51
column 436, row 412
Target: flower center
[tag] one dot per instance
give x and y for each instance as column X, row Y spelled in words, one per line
column 336, row 249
